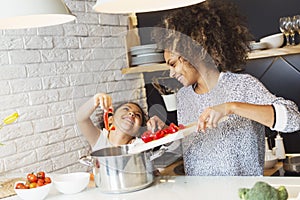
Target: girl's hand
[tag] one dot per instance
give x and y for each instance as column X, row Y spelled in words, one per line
column 211, row 116
column 155, row 123
column 104, row 100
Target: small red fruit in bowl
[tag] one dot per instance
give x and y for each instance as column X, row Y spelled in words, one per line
column 37, row 193
column 36, row 186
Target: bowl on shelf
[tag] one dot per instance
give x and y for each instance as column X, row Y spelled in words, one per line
column 37, row 193
column 270, row 159
column 258, row 45
column 71, row 183
column 273, row 41
column 270, row 163
column 146, row 55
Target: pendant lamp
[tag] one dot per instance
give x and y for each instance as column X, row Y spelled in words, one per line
column 17, row 14
column 138, row 6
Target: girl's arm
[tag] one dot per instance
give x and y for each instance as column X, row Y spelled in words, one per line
column 86, row 126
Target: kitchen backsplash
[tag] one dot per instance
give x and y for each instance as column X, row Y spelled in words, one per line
column 46, row 73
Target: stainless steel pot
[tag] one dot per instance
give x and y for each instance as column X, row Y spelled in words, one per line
column 116, row 171
column 292, row 164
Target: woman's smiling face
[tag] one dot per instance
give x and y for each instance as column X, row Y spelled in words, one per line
column 128, row 118
column 180, row 69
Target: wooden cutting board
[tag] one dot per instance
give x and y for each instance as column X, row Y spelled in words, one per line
column 7, row 186
column 140, row 147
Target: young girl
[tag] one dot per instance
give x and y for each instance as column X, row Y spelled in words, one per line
column 127, row 120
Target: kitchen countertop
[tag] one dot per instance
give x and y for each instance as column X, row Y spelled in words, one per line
column 170, row 184
column 185, row 187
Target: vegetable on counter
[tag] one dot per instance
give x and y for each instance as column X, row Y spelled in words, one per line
column 263, row 191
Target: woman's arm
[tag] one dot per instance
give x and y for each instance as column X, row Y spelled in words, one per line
column 86, row 126
column 263, row 114
column 257, row 104
column 210, row 117
column 279, row 117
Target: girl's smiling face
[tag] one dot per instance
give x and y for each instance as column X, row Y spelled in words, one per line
column 128, row 118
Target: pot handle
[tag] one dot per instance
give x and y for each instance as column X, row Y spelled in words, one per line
column 158, row 153
column 87, row 160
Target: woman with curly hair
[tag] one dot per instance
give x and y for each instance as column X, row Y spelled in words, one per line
column 205, row 45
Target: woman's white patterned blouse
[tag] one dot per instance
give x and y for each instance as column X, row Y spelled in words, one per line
column 236, row 146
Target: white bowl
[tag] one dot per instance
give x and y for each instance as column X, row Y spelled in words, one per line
column 273, row 41
column 37, row 193
column 270, row 163
column 258, row 45
column 71, row 183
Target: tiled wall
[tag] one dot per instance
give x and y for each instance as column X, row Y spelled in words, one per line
column 46, row 73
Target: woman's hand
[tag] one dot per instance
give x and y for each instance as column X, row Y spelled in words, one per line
column 155, row 123
column 211, row 116
column 104, row 100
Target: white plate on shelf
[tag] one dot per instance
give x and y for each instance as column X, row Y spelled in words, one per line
column 144, row 49
column 146, row 46
column 258, row 45
column 147, row 58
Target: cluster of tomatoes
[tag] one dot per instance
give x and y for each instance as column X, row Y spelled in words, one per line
column 149, row 136
column 34, row 180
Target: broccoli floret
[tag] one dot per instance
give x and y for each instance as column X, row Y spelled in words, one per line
column 243, row 192
column 283, row 194
column 263, row 191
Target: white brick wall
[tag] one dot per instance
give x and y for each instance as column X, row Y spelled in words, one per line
column 46, row 73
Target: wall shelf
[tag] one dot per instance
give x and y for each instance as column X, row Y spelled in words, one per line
column 253, row 55
column 145, row 68
column 286, row 50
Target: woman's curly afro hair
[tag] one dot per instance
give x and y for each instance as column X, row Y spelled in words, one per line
column 215, row 25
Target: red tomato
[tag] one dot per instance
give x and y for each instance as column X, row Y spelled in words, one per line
column 40, row 175
column 31, row 178
column 167, row 130
column 158, row 134
column 174, row 126
column 27, row 184
column 20, row 186
column 181, row 126
column 40, row 182
column 47, row 180
column 172, row 129
column 147, row 136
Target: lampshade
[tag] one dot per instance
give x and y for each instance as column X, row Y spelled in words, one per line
column 16, row 14
column 137, row 6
